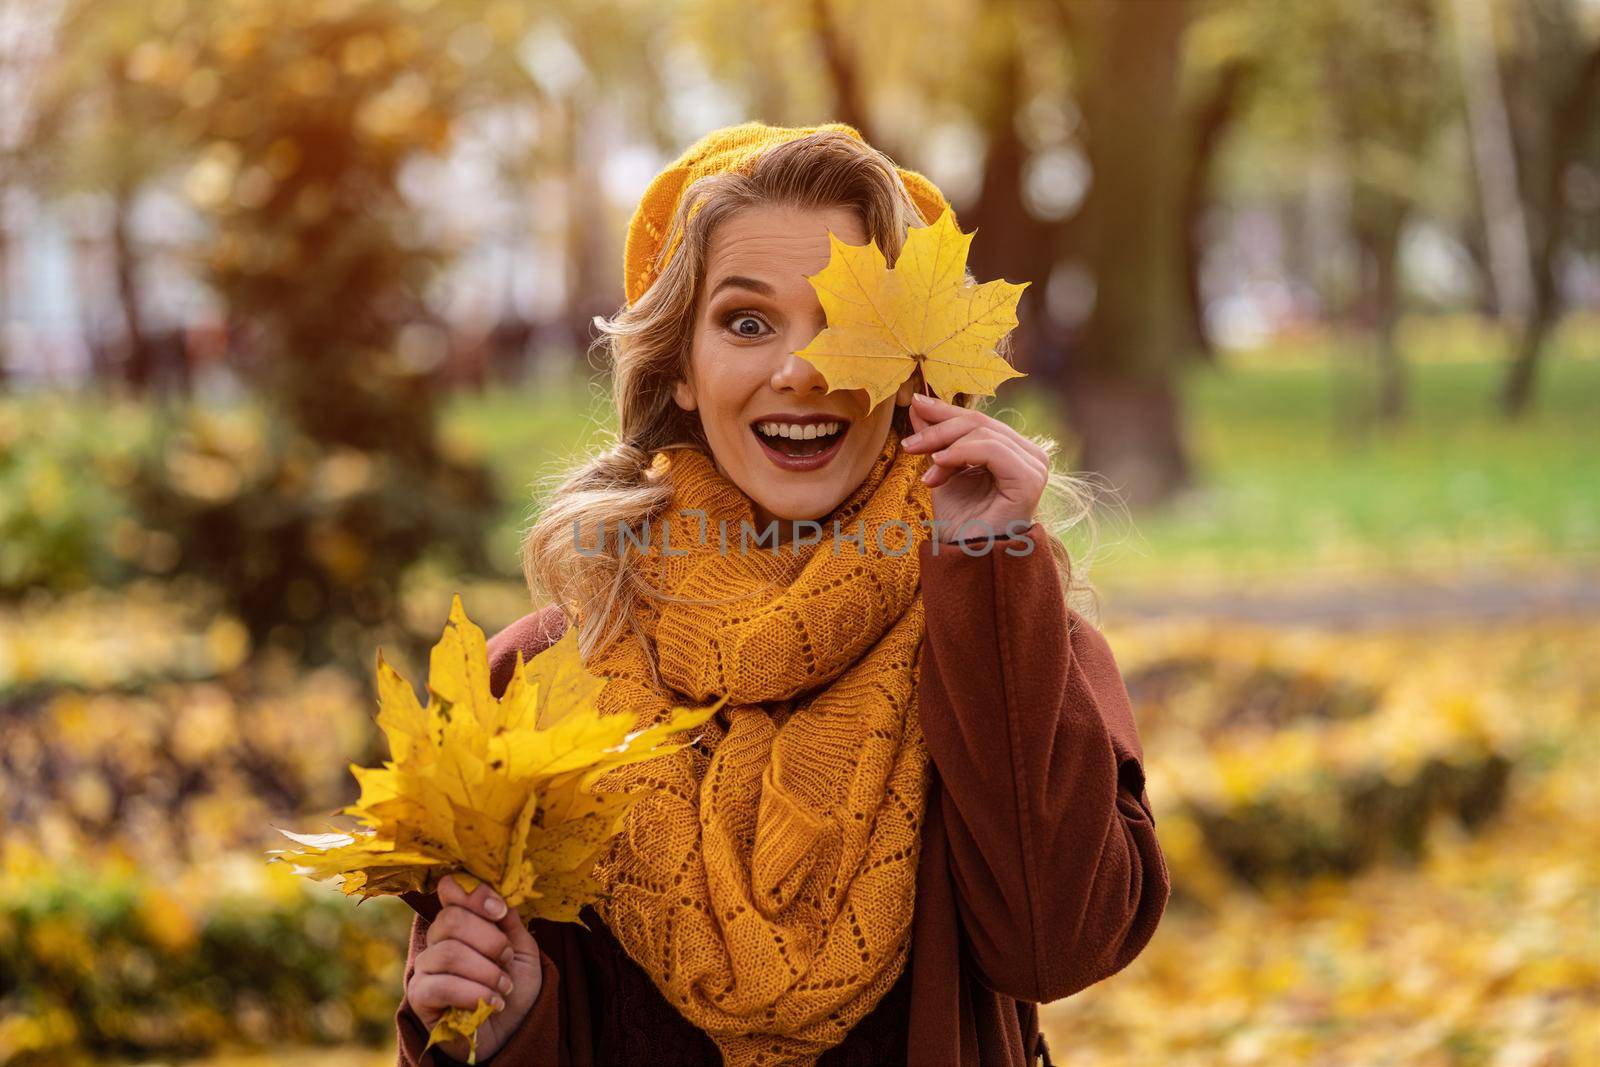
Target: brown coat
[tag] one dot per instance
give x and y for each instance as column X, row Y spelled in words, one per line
column 1040, row 871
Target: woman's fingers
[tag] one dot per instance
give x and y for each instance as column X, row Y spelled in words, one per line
column 457, row 923
column 433, row 994
column 1011, row 466
column 929, row 411
column 455, row 957
column 518, row 936
column 939, row 435
column 939, row 425
column 957, row 451
column 483, row 900
column 451, row 892
column 919, row 421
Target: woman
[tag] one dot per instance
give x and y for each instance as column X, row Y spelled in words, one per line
column 922, row 810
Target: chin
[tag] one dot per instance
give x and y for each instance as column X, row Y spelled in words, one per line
column 790, row 509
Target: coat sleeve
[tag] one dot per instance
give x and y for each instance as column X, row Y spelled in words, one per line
column 539, row 1040
column 1059, row 877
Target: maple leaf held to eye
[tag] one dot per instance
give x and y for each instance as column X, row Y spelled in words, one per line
column 883, row 324
column 491, row 790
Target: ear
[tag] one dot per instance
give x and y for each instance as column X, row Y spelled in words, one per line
column 683, row 395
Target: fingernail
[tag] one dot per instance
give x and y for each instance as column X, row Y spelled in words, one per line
column 497, row 1004
column 941, row 453
column 921, row 398
column 505, row 985
column 496, row 907
column 912, row 441
column 507, row 956
column 927, row 475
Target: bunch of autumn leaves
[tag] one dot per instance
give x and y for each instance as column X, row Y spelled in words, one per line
column 502, row 791
column 505, row 791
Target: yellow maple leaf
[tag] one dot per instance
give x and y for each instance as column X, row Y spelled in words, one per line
column 459, row 1023
column 883, row 324
column 491, row 790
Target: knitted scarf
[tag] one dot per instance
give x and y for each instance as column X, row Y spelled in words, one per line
column 766, row 884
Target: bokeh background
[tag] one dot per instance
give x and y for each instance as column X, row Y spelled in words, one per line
column 295, row 302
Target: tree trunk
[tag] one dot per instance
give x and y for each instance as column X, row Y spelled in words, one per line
column 1516, row 392
column 1015, row 245
column 1570, row 125
column 1131, row 434
column 589, row 278
column 139, row 356
column 1121, row 386
column 139, row 361
column 849, row 102
column 5, row 291
column 1506, row 226
column 1212, row 120
column 1384, row 250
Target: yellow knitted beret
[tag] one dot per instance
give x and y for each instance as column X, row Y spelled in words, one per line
column 732, row 148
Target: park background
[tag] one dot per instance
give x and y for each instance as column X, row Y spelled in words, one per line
column 295, row 302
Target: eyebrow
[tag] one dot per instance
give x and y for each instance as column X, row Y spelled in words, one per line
column 739, row 281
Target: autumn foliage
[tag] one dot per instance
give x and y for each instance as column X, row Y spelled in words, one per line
column 500, row 790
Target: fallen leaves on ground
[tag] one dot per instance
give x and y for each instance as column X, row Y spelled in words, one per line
column 1484, row 952
column 1480, row 953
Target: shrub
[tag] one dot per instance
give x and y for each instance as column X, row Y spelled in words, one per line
column 1288, row 755
column 111, row 959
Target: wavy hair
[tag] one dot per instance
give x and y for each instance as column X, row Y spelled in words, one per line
column 648, row 345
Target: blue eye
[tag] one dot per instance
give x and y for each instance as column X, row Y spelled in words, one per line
column 744, row 325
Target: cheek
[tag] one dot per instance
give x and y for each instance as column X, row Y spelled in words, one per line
column 878, row 423
column 728, row 377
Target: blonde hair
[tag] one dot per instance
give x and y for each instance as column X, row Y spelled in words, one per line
column 649, row 345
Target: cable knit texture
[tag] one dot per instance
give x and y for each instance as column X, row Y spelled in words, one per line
column 732, row 148
column 766, row 884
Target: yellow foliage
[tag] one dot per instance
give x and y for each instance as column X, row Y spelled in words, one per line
column 1482, row 951
column 494, row 790
column 883, row 324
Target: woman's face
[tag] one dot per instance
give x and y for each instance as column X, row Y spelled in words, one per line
column 794, row 448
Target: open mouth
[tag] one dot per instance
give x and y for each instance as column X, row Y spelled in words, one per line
column 800, row 445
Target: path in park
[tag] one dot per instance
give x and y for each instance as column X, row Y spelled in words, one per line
column 1364, row 604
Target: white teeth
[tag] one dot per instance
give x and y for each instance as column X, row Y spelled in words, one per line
column 809, row 432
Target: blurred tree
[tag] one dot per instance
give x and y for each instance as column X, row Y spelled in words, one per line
column 1348, row 130
column 1005, row 100
column 91, row 129
column 601, row 71
column 836, row 45
column 610, row 71
column 1214, row 111
column 1121, row 387
column 25, row 34
column 1532, row 78
column 1389, row 95
column 291, row 125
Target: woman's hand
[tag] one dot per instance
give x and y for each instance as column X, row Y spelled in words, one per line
column 984, row 476
column 477, row 949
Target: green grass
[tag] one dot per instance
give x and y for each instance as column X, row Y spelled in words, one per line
column 1290, row 477
column 1290, row 481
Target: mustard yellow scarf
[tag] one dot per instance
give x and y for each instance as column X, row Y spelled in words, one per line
column 767, row 884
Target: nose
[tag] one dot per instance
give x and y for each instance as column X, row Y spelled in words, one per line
column 795, row 375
